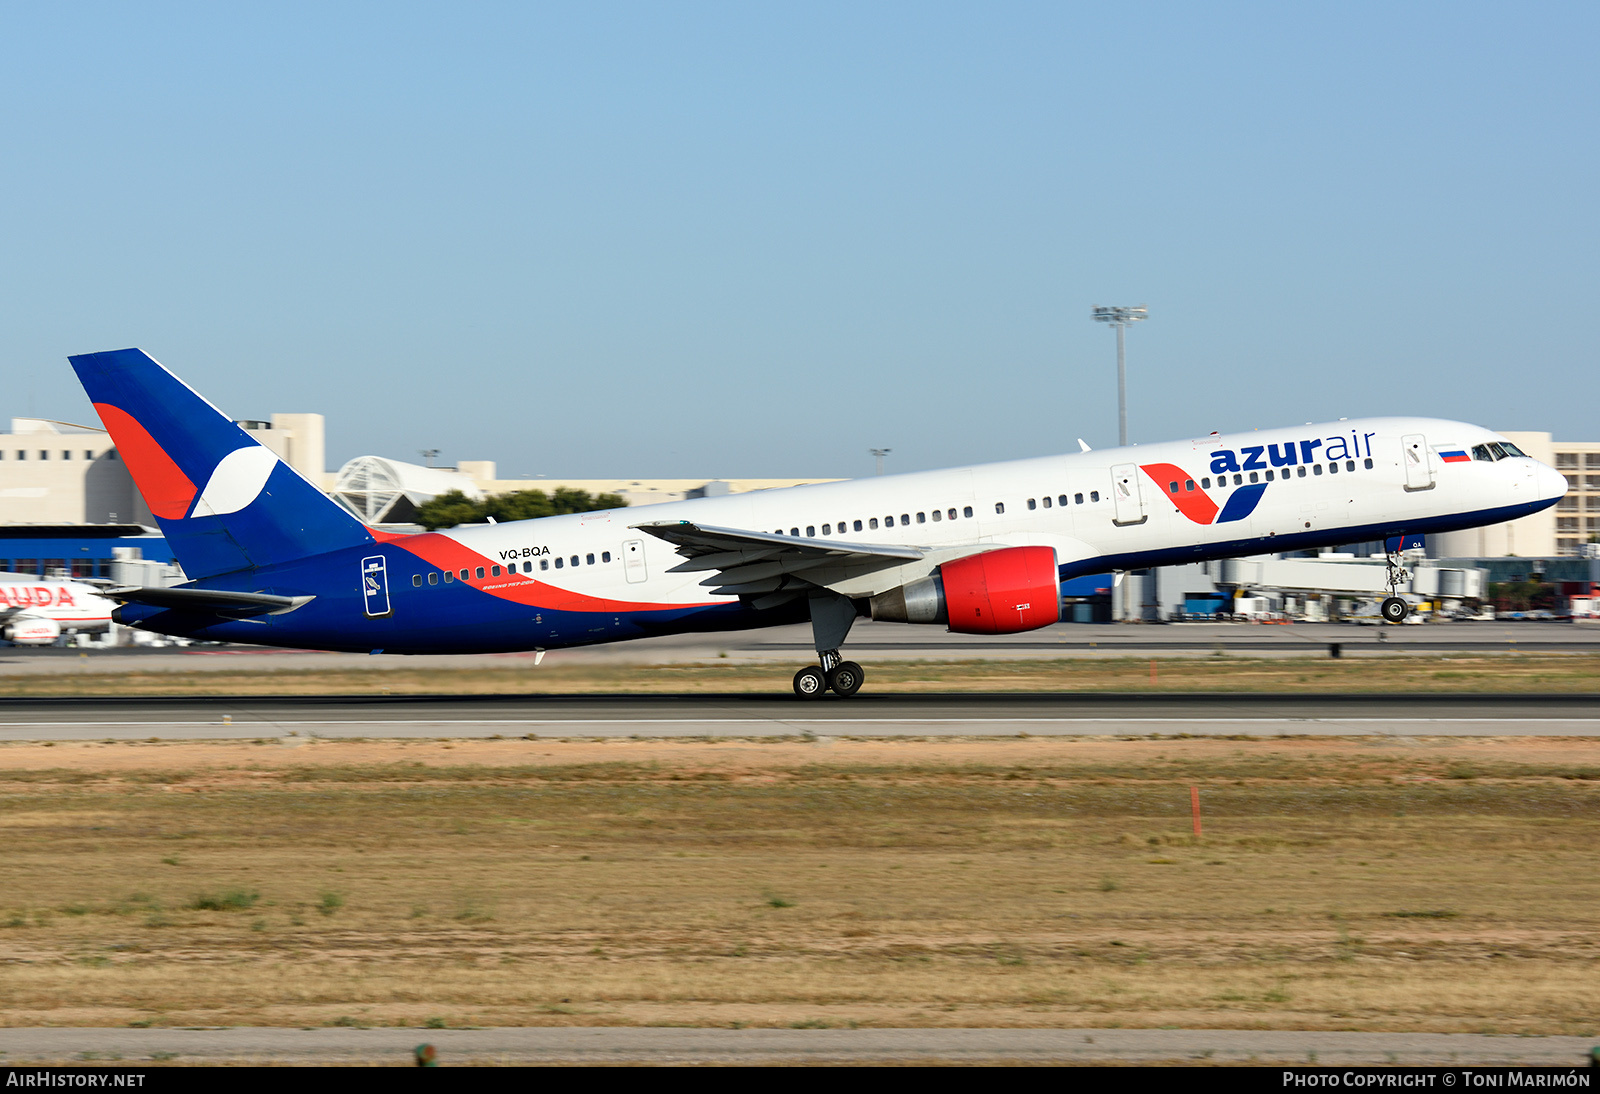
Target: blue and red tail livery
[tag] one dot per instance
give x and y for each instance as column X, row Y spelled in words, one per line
column 271, row 560
column 225, row 502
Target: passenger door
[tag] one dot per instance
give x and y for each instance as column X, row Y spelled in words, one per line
column 1414, row 454
column 375, row 588
column 1125, row 493
column 633, row 560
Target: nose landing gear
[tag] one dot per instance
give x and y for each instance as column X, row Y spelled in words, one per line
column 1394, row 608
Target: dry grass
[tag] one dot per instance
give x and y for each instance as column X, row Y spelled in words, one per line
column 1417, row 884
column 1539, row 672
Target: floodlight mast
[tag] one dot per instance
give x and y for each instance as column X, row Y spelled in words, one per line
column 1119, row 317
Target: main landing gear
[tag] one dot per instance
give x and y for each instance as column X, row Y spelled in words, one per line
column 831, row 618
column 1394, row 608
column 843, row 678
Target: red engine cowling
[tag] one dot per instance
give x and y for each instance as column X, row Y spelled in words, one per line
column 1002, row 592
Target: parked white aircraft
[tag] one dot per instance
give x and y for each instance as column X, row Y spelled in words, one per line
column 35, row 612
column 980, row 550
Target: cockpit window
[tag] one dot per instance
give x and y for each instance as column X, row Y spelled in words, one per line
column 1481, row 452
column 1499, row 451
column 1512, row 450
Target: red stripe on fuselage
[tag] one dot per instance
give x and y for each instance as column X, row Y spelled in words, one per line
column 1195, row 504
column 445, row 553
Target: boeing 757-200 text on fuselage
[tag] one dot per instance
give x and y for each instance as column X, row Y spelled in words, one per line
column 980, row 550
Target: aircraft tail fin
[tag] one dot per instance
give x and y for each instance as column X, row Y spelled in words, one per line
column 225, row 502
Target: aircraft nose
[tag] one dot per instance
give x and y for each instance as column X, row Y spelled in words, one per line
column 1552, row 483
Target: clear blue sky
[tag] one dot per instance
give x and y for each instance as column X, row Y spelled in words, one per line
column 740, row 239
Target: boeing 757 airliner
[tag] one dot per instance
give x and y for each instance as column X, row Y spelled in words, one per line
column 979, row 550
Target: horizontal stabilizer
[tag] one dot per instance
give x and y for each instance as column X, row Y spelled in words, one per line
column 209, row 600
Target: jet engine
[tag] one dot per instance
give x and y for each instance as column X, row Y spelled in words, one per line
column 31, row 630
column 1003, row 591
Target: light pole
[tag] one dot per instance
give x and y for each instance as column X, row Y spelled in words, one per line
column 879, row 454
column 428, row 454
column 1119, row 317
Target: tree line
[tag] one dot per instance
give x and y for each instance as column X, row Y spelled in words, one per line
column 453, row 508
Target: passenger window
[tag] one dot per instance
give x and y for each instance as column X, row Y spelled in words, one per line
column 1188, row 484
column 827, row 529
column 936, row 515
column 66, row 454
column 544, row 564
column 1077, row 499
column 873, row 524
column 795, row 532
column 1333, row 469
column 605, row 556
column 494, row 571
column 1094, row 495
column 1349, row 465
column 1062, row 501
column 480, row 573
column 1172, row 488
column 574, row 560
column 952, row 514
column 88, row 455
column 1238, row 480
column 416, row 581
column 1269, row 475
column 1316, row 469
column 811, row 531
column 1205, row 484
column 966, row 511
column 433, row 578
column 449, row 576
column 558, row 564
column 857, row 525
column 1252, row 476
column 1369, row 463
column 588, row 560
column 999, row 507
column 466, row 574
column 1300, row 471
column 922, row 518
column 905, row 519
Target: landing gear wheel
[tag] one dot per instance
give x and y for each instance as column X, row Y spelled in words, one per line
column 809, row 683
column 1395, row 609
column 846, row 678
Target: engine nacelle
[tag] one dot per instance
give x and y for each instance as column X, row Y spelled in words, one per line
column 32, row 631
column 1003, row 591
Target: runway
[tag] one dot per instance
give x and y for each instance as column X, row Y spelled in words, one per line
column 126, row 1047
column 766, row 716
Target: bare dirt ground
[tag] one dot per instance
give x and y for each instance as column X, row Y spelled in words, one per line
column 1412, row 884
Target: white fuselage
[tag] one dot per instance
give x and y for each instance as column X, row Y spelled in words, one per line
column 1279, row 489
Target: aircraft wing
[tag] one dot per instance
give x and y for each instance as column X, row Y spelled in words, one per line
column 772, row 568
column 209, row 600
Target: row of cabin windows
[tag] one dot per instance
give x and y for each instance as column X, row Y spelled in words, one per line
column 468, row 573
column 871, row 524
column 66, row 454
column 1033, row 503
column 1239, row 479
